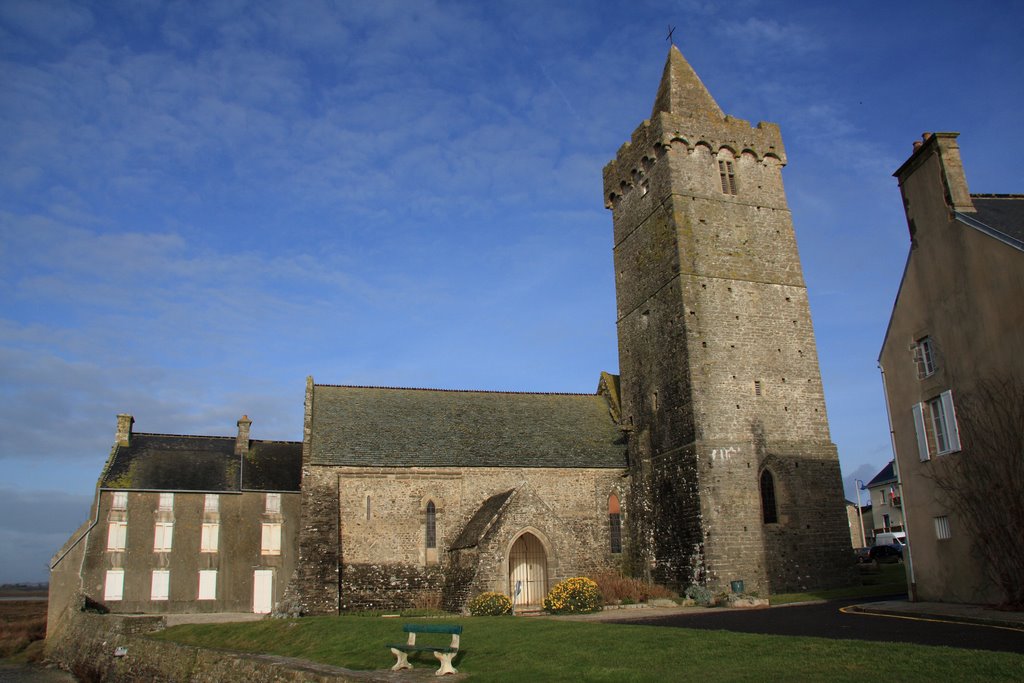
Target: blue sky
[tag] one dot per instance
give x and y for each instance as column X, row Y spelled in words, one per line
column 203, row 203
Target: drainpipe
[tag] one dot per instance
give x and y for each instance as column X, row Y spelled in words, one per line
column 909, row 553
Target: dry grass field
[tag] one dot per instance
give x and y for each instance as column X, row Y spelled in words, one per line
column 22, row 622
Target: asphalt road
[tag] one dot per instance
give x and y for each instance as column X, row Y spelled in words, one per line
column 826, row 620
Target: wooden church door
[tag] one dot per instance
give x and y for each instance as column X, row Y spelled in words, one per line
column 528, row 568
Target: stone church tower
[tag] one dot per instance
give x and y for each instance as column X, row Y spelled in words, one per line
column 734, row 474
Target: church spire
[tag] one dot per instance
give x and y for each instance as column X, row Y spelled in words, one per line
column 681, row 91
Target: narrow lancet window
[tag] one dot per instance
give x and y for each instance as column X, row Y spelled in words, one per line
column 768, row 508
column 431, row 525
column 614, row 524
column 728, row 175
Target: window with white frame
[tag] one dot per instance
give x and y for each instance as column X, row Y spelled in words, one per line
column 271, row 539
column 117, row 534
column 207, row 584
column 166, row 502
column 942, row 530
column 211, row 503
column 161, row 584
column 209, row 538
column 113, row 585
column 935, row 426
column 163, row 532
column 924, row 357
column 119, row 501
column 273, row 503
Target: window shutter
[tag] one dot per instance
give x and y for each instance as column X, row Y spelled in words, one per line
column 952, row 429
column 919, row 429
column 113, row 587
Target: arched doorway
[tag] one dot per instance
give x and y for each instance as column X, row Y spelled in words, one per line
column 528, row 565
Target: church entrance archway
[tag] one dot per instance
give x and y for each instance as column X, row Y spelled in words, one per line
column 528, row 568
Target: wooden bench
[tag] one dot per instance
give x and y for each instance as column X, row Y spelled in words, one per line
column 444, row 653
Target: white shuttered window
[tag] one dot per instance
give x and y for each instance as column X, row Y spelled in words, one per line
column 160, row 588
column 210, row 538
column 113, row 586
column 935, row 426
column 208, row 584
column 271, row 544
column 117, row 535
column 163, row 532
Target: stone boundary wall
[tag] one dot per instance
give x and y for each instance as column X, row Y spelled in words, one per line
column 86, row 648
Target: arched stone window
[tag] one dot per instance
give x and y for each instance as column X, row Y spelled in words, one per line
column 614, row 524
column 727, row 171
column 769, row 510
column 431, row 525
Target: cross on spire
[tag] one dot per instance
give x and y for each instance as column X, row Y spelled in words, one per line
column 671, row 30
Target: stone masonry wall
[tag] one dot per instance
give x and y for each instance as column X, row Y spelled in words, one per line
column 719, row 370
column 314, row 585
column 313, row 588
column 384, row 559
column 87, row 646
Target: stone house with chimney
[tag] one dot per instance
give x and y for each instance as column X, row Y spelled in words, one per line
column 184, row 524
column 707, row 460
column 957, row 325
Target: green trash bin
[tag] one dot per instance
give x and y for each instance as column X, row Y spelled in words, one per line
column 737, row 586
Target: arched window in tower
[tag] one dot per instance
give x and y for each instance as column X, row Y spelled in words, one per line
column 727, row 172
column 614, row 523
column 769, row 510
column 431, row 525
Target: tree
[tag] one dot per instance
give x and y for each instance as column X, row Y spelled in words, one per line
column 984, row 482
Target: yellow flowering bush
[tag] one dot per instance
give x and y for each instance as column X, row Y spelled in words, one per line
column 490, row 605
column 577, row 595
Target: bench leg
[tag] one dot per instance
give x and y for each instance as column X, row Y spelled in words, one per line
column 446, row 663
column 403, row 660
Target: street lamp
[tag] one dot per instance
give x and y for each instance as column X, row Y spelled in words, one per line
column 860, row 516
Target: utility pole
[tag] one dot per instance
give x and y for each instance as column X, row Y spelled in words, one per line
column 860, row 517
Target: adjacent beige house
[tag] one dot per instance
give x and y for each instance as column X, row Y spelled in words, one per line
column 886, row 504
column 958, row 320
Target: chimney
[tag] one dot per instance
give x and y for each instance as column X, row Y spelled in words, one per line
column 242, row 440
column 123, row 437
column 938, row 151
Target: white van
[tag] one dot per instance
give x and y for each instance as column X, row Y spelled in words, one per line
column 892, row 538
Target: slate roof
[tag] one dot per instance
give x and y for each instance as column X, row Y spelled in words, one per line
column 1004, row 213
column 166, row 462
column 887, row 475
column 386, row 427
column 482, row 520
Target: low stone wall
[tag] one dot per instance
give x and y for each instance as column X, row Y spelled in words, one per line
column 87, row 647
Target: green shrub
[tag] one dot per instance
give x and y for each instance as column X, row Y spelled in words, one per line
column 578, row 595
column 700, row 595
column 490, row 605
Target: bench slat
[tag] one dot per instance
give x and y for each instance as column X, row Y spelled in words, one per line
column 421, row 648
column 431, row 628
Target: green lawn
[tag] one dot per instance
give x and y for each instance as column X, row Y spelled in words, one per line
column 536, row 649
column 885, row 579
